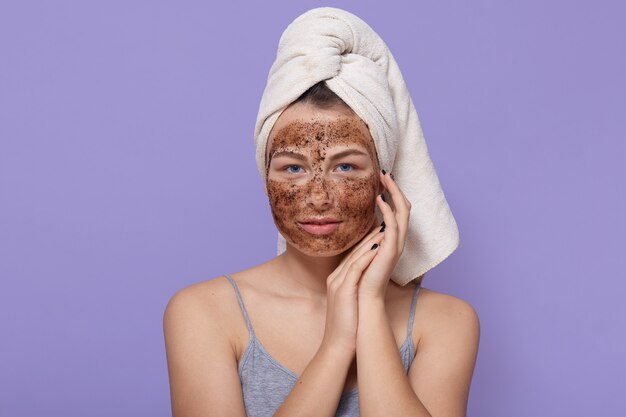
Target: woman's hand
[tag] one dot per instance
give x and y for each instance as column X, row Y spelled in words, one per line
column 342, row 287
column 375, row 279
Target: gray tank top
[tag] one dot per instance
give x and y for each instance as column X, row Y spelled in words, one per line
column 266, row 383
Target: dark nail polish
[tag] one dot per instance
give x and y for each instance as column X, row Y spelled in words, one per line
column 382, row 229
column 391, row 175
column 383, row 224
column 374, row 246
column 384, row 172
column 383, row 197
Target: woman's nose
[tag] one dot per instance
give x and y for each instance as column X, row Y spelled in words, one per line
column 319, row 195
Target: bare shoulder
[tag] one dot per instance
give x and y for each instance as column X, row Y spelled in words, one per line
column 441, row 304
column 198, row 298
column 208, row 291
column 445, row 313
column 197, row 306
column 202, row 361
column 213, row 299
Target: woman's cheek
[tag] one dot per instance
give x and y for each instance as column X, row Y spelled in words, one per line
column 359, row 195
column 358, row 204
column 283, row 198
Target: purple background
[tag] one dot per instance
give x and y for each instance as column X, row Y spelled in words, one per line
column 127, row 172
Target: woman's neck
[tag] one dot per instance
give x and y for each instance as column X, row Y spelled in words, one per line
column 308, row 273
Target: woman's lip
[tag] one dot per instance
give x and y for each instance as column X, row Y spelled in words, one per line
column 320, row 229
column 321, row 220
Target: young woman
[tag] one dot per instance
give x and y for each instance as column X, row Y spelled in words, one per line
column 321, row 329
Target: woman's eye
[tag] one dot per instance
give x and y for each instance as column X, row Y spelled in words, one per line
column 288, row 169
column 345, row 167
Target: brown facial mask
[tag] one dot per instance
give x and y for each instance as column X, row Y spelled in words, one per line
column 316, row 189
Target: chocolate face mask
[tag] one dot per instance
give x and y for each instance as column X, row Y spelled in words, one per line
column 309, row 181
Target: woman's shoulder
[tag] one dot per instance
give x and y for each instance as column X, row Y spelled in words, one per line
column 216, row 297
column 213, row 291
column 204, row 294
column 210, row 305
column 206, row 297
column 442, row 310
column 199, row 304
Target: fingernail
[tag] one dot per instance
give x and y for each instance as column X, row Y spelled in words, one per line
column 383, row 224
column 391, row 175
column 374, row 246
column 382, row 229
column 383, row 197
column 384, row 172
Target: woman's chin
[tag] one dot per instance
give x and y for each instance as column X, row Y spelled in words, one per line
column 315, row 246
column 318, row 252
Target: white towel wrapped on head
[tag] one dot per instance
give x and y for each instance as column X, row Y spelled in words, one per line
column 333, row 45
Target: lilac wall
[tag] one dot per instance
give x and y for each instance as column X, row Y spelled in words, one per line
column 127, row 172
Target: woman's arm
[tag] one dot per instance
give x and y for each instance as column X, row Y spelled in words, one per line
column 319, row 388
column 201, row 362
column 439, row 378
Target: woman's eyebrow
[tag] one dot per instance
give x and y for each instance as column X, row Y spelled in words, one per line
column 301, row 157
column 290, row 154
column 347, row 152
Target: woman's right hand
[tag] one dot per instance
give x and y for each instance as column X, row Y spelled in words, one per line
column 342, row 290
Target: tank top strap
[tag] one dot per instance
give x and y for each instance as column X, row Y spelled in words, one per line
column 243, row 308
column 412, row 313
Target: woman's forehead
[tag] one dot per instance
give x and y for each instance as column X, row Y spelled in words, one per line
column 324, row 135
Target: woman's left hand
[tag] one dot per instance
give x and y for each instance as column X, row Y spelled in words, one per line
column 375, row 278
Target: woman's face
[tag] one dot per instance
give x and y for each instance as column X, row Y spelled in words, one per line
column 321, row 168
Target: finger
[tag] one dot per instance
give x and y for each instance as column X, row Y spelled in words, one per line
column 364, row 247
column 402, row 208
column 400, row 202
column 391, row 226
column 363, row 242
column 356, row 268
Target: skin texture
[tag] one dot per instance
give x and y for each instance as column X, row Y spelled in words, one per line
column 318, row 184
